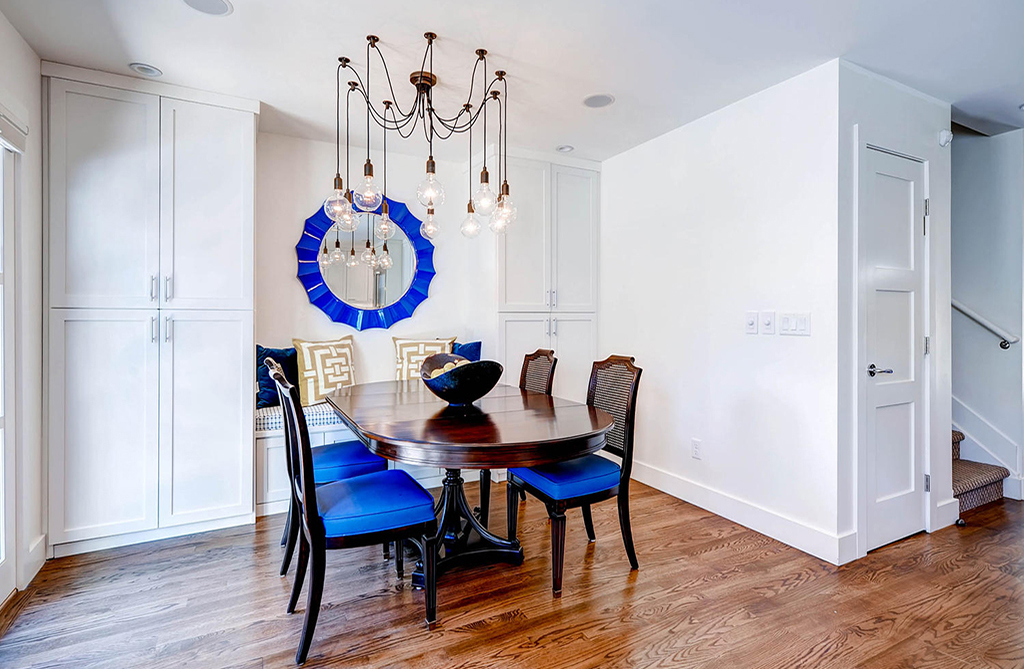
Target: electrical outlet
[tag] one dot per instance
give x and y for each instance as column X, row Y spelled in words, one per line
column 695, row 449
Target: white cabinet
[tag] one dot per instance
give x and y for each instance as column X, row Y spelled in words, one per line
column 103, row 422
column 206, row 206
column 206, row 409
column 548, row 258
column 104, row 196
column 573, row 338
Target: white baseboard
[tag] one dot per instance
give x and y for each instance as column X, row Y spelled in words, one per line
column 837, row 549
column 946, row 513
column 1013, row 487
column 103, row 543
column 271, row 508
column 31, row 561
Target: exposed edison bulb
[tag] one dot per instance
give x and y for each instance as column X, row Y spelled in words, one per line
column 368, row 257
column 504, row 215
column 349, row 220
column 337, row 206
column 484, row 199
column 385, row 228
column 384, row 260
column 429, row 227
column 470, row 225
column 336, row 254
column 368, row 195
column 353, row 260
column 325, row 257
column 430, row 192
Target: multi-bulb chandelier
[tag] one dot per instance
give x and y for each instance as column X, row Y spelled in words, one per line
column 343, row 206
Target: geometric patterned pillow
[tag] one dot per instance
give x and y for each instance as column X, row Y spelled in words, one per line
column 324, row 367
column 410, row 353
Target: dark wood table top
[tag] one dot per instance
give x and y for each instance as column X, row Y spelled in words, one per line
column 508, row 427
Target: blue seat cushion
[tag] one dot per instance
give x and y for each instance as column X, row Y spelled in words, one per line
column 373, row 503
column 333, row 462
column 572, row 478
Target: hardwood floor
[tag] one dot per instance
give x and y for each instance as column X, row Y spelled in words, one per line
column 709, row 593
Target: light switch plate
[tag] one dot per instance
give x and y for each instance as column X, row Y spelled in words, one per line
column 766, row 323
column 750, row 321
column 795, row 323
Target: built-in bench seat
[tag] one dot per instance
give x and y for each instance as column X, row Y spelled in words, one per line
column 975, row 483
column 270, row 419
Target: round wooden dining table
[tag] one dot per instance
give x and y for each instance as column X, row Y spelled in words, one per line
column 509, row 427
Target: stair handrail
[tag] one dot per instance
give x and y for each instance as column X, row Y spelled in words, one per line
column 1007, row 338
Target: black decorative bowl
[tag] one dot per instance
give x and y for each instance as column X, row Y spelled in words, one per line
column 463, row 384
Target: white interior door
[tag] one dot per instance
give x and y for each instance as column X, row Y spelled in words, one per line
column 103, row 422
column 207, row 373
column 574, row 339
column 524, row 252
column 7, row 523
column 104, row 196
column 575, row 205
column 893, row 266
column 519, row 334
column 206, row 206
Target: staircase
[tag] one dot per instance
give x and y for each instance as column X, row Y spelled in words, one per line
column 975, row 483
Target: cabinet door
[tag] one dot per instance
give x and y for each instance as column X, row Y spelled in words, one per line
column 207, row 375
column 519, row 334
column 575, row 207
column 206, row 206
column 574, row 339
column 524, row 251
column 104, row 196
column 103, row 422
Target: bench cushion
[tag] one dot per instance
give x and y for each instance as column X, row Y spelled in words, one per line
column 373, row 503
column 317, row 415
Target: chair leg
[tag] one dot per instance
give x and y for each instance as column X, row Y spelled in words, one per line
column 430, row 580
column 400, row 559
column 557, row 549
column 387, row 550
column 485, row 496
column 627, row 532
column 522, row 495
column 588, row 521
column 300, row 573
column 318, row 556
column 291, row 528
column 287, row 523
column 512, row 510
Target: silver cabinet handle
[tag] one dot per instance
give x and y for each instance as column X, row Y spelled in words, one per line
column 554, row 299
column 872, row 370
column 153, row 288
column 167, row 287
column 547, row 324
column 547, row 298
column 554, row 327
column 167, row 328
column 152, row 329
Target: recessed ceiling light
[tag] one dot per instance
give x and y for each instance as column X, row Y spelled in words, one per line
column 145, row 70
column 565, row 148
column 211, row 7
column 598, row 100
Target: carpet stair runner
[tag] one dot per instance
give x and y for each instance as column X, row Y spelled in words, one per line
column 975, row 483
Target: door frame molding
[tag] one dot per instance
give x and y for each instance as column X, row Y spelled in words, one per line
column 861, row 147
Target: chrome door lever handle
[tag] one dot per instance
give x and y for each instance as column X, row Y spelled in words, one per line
column 872, row 370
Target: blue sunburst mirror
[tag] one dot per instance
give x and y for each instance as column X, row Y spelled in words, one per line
column 364, row 294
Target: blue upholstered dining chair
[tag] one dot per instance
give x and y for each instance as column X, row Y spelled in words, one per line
column 331, row 462
column 379, row 507
column 537, row 375
column 592, row 478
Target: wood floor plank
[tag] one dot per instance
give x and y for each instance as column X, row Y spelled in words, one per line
column 709, row 593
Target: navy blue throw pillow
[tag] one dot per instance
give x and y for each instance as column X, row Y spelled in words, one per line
column 286, row 357
column 470, row 350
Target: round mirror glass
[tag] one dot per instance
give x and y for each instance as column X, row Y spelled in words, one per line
column 362, row 277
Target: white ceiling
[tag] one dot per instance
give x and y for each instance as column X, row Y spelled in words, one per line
column 666, row 62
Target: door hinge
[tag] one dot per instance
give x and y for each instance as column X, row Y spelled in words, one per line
column 927, row 206
column 927, row 345
column 927, row 483
column 927, row 213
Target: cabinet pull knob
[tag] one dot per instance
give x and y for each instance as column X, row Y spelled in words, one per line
column 153, row 287
column 167, row 328
column 152, row 329
column 167, row 287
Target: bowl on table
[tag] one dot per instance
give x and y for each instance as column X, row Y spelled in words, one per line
column 458, row 381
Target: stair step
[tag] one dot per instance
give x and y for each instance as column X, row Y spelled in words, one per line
column 958, row 436
column 969, row 475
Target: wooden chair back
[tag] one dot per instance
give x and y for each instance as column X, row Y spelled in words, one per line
column 538, row 371
column 613, row 388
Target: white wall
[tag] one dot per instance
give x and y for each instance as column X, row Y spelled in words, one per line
column 883, row 113
column 292, row 178
column 20, row 91
column 738, row 213
column 988, row 277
